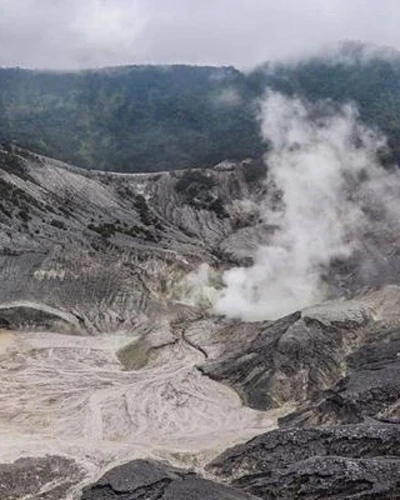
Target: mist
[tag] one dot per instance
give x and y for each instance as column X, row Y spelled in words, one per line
column 70, row 34
column 323, row 175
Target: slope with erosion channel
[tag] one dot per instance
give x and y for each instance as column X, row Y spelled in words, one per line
column 109, row 353
column 93, row 269
column 338, row 360
column 112, row 248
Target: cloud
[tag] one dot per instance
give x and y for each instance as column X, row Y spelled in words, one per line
column 69, row 34
column 74, row 34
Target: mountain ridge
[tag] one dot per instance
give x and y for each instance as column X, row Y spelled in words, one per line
column 152, row 118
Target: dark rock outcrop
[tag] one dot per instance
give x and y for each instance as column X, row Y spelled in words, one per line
column 341, row 357
column 345, row 462
column 369, row 388
column 148, row 480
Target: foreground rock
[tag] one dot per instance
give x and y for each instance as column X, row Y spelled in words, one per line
column 346, row 462
column 370, row 387
column 148, row 480
column 337, row 362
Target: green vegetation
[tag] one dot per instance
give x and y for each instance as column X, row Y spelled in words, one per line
column 135, row 355
column 146, row 216
column 138, row 118
column 371, row 81
column 11, row 164
column 153, row 118
column 192, row 181
column 108, row 229
column 198, row 191
column 13, row 199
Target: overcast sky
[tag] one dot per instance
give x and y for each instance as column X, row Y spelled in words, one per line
column 67, row 34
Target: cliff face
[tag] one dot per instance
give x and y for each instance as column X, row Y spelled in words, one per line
column 111, row 354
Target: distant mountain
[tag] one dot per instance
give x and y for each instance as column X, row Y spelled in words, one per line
column 138, row 118
column 152, row 118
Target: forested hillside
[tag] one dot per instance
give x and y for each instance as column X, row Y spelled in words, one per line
column 152, row 118
column 367, row 76
column 131, row 119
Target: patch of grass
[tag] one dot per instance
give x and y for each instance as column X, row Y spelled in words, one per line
column 13, row 164
column 107, row 230
column 191, row 180
column 199, row 190
column 14, row 198
column 135, row 355
column 147, row 217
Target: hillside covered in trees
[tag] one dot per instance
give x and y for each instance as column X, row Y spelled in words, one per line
column 365, row 75
column 132, row 118
column 152, row 118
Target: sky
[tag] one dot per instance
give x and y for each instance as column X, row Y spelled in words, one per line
column 74, row 34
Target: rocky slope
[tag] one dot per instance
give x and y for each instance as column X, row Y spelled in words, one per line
column 78, row 239
column 354, row 461
column 144, row 479
column 338, row 365
column 114, row 366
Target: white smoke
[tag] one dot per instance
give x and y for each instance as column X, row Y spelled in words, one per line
column 198, row 288
column 317, row 156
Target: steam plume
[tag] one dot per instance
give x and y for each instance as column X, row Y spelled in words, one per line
column 322, row 164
